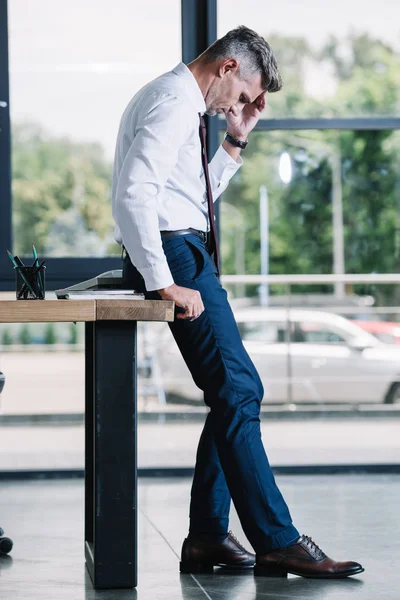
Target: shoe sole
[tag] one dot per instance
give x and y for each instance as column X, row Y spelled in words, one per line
column 193, row 567
column 260, row 571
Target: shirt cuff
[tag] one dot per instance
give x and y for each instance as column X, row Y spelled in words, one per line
column 225, row 161
column 223, row 166
column 222, row 169
column 157, row 277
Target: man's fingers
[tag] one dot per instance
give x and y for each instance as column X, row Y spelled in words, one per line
column 191, row 313
column 190, row 300
column 188, row 314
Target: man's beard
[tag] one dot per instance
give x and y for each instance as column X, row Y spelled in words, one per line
column 211, row 112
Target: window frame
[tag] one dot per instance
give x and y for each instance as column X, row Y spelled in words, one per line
column 5, row 154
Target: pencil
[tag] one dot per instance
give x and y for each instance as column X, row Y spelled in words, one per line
column 21, row 272
column 35, row 264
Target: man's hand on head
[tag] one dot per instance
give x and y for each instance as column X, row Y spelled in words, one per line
column 241, row 122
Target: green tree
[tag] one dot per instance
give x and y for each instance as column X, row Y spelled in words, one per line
column 25, row 335
column 7, row 339
column 56, row 180
column 73, row 334
column 50, row 334
column 370, row 202
column 367, row 76
column 300, row 220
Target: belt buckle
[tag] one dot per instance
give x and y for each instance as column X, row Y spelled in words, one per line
column 202, row 235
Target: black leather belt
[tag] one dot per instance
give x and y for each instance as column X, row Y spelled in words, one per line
column 203, row 235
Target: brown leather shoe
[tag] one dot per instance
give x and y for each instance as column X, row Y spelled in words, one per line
column 201, row 557
column 306, row 559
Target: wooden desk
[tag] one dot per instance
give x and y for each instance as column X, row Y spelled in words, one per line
column 110, row 423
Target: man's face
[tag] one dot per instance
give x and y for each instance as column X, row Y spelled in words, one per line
column 229, row 93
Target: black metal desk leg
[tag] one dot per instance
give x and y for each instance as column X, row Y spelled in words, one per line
column 89, row 432
column 112, row 556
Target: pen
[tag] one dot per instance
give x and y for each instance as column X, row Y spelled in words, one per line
column 18, row 261
column 36, row 271
column 21, row 272
column 35, row 263
column 12, row 259
column 20, row 264
column 39, row 267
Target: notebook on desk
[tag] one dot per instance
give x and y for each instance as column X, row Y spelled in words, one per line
column 107, row 285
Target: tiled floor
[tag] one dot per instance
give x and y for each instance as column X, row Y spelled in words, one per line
column 352, row 517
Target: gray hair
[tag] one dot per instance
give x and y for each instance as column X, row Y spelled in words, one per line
column 253, row 53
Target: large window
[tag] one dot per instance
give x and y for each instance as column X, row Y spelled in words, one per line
column 74, row 66
column 318, row 193
column 332, row 200
column 324, row 158
column 337, row 59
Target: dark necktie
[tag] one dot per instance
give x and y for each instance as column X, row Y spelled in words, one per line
column 213, row 230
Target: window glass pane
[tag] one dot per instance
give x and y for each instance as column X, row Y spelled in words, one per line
column 318, row 334
column 74, row 66
column 324, row 190
column 87, row 90
column 336, row 59
column 42, row 403
column 259, row 331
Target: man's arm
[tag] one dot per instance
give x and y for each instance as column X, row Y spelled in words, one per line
column 147, row 165
column 227, row 159
column 222, row 168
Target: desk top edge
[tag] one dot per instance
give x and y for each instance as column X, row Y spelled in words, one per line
column 42, row 311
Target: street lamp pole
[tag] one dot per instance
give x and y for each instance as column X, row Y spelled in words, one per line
column 264, row 243
column 337, row 221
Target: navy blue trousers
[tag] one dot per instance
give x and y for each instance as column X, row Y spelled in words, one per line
column 231, row 462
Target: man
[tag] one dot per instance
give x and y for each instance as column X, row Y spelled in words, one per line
column 163, row 189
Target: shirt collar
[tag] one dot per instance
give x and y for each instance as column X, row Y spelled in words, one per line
column 192, row 87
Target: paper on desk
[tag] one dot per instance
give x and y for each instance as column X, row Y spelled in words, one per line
column 96, row 296
column 105, row 292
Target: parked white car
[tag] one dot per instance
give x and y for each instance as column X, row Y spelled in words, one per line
column 302, row 356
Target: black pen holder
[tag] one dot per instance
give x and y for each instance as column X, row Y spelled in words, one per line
column 30, row 282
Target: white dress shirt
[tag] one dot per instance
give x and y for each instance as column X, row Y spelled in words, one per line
column 158, row 180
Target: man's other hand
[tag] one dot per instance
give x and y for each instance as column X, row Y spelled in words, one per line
column 186, row 298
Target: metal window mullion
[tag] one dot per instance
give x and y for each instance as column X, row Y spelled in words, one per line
column 373, row 123
column 5, row 143
column 199, row 30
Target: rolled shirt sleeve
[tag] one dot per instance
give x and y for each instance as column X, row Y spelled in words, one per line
column 147, row 165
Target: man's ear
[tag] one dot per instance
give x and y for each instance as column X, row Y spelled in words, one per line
column 229, row 66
